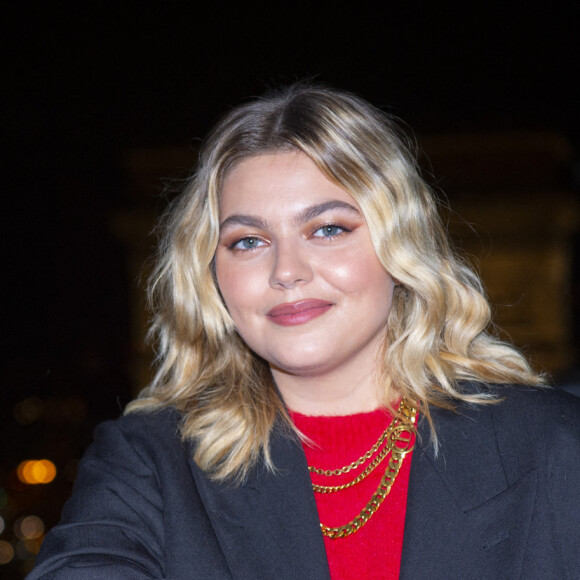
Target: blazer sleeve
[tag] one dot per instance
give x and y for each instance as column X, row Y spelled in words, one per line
column 112, row 527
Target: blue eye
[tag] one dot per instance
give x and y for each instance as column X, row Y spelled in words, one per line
column 249, row 243
column 329, row 231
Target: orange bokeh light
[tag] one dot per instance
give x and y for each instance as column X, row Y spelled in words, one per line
column 6, row 552
column 36, row 471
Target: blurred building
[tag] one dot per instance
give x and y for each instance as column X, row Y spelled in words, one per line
column 515, row 215
column 510, row 208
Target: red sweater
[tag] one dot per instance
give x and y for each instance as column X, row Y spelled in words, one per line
column 374, row 551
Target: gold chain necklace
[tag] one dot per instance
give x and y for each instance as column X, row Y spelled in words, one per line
column 375, row 463
column 363, row 458
column 399, row 441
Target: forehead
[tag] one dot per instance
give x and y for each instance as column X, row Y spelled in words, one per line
column 278, row 182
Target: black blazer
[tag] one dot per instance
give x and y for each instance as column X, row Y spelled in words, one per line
column 500, row 500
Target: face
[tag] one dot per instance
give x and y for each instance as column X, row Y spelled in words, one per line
column 297, row 269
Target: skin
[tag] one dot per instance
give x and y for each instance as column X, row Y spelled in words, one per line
column 292, row 240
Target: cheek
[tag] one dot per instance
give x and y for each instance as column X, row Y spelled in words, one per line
column 361, row 273
column 228, row 284
column 238, row 288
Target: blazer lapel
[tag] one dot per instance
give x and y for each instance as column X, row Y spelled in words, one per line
column 463, row 520
column 268, row 527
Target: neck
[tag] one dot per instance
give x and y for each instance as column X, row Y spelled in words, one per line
column 329, row 394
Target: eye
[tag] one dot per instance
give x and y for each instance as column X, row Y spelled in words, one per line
column 248, row 243
column 329, row 231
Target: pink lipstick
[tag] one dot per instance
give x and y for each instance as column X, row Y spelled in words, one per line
column 300, row 312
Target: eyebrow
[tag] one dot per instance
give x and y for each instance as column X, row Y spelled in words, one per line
column 316, row 210
column 304, row 216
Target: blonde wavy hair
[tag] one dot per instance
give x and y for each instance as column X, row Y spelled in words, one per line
column 437, row 333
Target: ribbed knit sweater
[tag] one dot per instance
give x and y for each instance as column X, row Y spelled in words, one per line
column 373, row 551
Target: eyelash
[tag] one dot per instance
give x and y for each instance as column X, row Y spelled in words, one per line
column 234, row 245
column 244, row 239
column 342, row 229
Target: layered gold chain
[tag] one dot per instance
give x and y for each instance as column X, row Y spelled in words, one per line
column 359, row 461
column 399, row 441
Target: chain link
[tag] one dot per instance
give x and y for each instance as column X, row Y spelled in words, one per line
column 400, row 443
column 360, row 460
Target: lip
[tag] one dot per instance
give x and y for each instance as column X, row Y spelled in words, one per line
column 295, row 313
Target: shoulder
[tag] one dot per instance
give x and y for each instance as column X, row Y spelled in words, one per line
column 138, row 444
column 144, row 429
column 539, row 422
column 540, row 410
column 530, row 425
column 525, row 430
column 163, row 421
column 518, row 407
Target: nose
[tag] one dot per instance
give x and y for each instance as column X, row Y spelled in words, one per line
column 291, row 265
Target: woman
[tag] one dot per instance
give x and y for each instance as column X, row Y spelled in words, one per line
column 328, row 401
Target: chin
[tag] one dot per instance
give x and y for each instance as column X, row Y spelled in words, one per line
column 303, row 368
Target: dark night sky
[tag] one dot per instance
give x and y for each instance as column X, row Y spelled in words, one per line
column 84, row 81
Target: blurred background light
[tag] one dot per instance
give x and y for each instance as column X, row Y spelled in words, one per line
column 29, row 527
column 28, row 410
column 69, row 410
column 36, row 471
column 6, row 552
column 25, row 549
